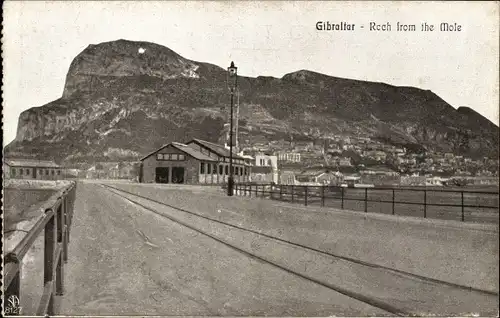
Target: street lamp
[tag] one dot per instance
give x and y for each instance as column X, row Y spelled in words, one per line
column 232, row 73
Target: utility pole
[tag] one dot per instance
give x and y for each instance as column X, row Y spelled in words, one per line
column 237, row 121
column 233, row 83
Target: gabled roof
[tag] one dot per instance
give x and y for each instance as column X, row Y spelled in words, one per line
column 218, row 149
column 314, row 173
column 192, row 152
column 184, row 148
column 31, row 163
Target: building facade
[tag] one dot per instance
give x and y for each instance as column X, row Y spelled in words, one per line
column 270, row 163
column 288, row 156
column 320, row 177
column 31, row 169
column 196, row 162
column 262, row 174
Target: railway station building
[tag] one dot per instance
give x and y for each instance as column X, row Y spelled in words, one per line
column 194, row 162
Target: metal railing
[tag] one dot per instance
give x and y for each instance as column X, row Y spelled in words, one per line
column 442, row 203
column 56, row 224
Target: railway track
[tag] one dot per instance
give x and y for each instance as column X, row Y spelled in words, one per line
column 399, row 304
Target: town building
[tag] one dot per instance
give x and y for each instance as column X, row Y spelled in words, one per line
column 265, row 161
column 319, row 177
column 262, row 174
column 31, row 169
column 436, row 181
column 287, row 177
column 196, row 162
column 288, row 156
column 351, row 181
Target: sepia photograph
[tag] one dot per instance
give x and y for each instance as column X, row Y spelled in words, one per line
column 250, row 158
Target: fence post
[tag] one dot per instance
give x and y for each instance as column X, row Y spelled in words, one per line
column 342, row 198
column 305, row 195
column 393, row 211
column 65, row 227
column 366, row 199
column 48, row 255
column 463, row 214
column 60, row 240
column 425, row 203
column 322, row 195
column 292, row 193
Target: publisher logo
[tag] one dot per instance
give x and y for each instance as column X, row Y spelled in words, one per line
column 13, row 306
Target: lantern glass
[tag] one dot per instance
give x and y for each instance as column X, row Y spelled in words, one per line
column 232, row 74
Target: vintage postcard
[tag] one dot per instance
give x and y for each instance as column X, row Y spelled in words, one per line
column 250, row 158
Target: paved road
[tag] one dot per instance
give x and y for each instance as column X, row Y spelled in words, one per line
column 126, row 261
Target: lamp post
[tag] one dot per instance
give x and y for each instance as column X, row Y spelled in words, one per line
column 232, row 72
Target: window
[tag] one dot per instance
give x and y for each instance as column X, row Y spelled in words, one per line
column 159, row 156
column 58, row 172
column 182, row 157
column 46, row 172
column 13, row 171
column 214, row 170
column 174, row 156
column 221, row 169
column 52, row 172
column 21, row 171
column 227, row 169
column 202, row 167
column 209, row 168
column 27, row 171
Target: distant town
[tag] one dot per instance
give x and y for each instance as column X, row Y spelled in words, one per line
column 331, row 160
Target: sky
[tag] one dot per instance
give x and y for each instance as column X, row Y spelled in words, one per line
column 272, row 38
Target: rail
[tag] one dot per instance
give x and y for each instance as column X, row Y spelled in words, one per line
column 56, row 225
column 416, row 202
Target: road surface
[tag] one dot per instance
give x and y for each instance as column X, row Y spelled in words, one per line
column 126, row 260
column 112, row 270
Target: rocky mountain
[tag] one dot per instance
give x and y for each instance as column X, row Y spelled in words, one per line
column 123, row 98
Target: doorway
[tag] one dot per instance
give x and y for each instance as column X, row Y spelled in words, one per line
column 178, row 175
column 162, row 175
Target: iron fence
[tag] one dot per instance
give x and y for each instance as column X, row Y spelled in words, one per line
column 56, row 224
column 464, row 205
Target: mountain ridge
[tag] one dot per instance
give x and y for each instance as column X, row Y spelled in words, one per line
column 112, row 89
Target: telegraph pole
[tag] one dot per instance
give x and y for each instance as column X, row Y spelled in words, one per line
column 232, row 82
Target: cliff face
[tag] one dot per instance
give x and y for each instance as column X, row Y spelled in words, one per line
column 126, row 98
